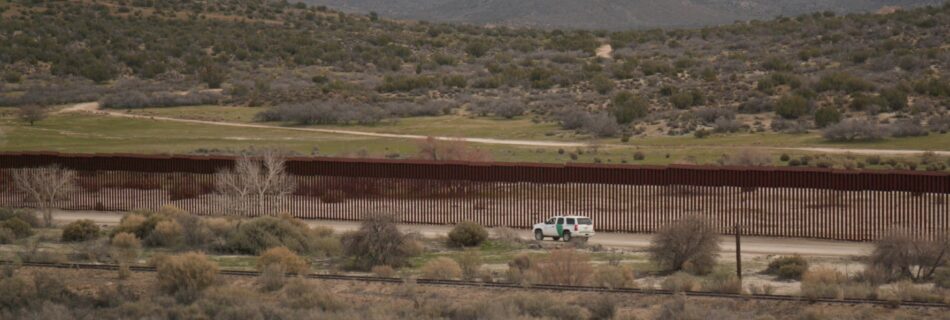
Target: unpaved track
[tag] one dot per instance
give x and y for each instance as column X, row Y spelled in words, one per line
column 750, row 245
column 93, row 107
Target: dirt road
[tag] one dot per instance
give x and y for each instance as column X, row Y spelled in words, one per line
column 750, row 245
column 93, row 107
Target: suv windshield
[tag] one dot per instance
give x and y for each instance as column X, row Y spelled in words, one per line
column 585, row 221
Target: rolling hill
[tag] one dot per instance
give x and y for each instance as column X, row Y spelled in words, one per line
column 606, row 14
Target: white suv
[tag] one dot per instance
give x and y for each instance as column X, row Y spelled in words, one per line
column 565, row 227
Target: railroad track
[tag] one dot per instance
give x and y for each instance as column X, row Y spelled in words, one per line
column 502, row 285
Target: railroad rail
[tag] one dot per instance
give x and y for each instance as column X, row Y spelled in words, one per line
column 505, row 285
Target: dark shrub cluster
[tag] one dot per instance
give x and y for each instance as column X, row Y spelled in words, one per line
column 133, row 99
column 788, row 267
column 467, row 234
column 80, row 230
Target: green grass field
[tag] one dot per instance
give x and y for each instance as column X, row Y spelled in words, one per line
column 88, row 133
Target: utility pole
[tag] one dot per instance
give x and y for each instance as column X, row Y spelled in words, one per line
column 739, row 252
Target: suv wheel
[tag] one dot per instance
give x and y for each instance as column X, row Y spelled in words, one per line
column 538, row 235
column 567, row 237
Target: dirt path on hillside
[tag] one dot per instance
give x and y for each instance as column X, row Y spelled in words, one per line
column 750, row 245
column 93, row 107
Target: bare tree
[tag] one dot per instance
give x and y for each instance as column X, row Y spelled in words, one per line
column 32, row 113
column 254, row 180
column 45, row 186
column 907, row 254
column 691, row 243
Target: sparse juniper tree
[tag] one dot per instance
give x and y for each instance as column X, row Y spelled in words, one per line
column 32, row 113
column 45, row 186
column 255, row 181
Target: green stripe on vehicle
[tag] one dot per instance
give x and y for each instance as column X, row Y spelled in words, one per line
column 560, row 230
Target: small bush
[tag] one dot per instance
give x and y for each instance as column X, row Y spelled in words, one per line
column 853, row 130
column 80, row 230
column 7, row 236
column 823, row 283
column 20, row 228
column 942, row 277
column 626, row 107
column 272, row 277
column 689, row 244
column 306, row 294
column 723, row 281
column 792, row 106
column 680, row 282
column 610, row 276
column 827, row 116
column 186, row 275
column 467, row 234
column 788, row 267
column 260, row 234
column 29, row 217
column 564, row 267
column 442, row 268
column 471, row 263
column 288, row 261
column 167, row 233
column 126, row 247
column 378, row 242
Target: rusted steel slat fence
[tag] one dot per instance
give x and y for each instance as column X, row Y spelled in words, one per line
column 766, row 201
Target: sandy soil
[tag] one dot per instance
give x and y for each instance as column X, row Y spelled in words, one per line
column 750, row 245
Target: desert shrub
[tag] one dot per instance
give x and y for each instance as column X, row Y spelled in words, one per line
column 942, row 277
column 792, row 106
column 272, row 277
column 186, row 275
column 125, row 249
column 27, row 216
column 907, row 128
column 626, row 107
column 134, row 99
column 909, row 291
column 756, row 105
column 383, row 271
column 723, row 281
column 80, row 230
column 20, row 228
column 288, row 261
column 602, row 84
column 840, row 81
column 600, row 125
column 406, row 83
column 259, row 234
column 788, row 267
column 906, row 254
column 690, row 244
column 324, row 112
column 602, row 307
column 442, row 268
column 377, row 242
column 471, row 263
column 680, row 282
column 895, row 98
column 307, row 294
column 686, row 99
column 563, row 267
column 823, row 283
column 7, row 236
column 853, row 130
column 167, row 233
column 16, row 292
column 826, row 116
column 518, row 266
column 467, row 234
column 611, row 276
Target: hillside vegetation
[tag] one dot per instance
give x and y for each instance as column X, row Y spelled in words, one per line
column 608, row 14
column 851, row 78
